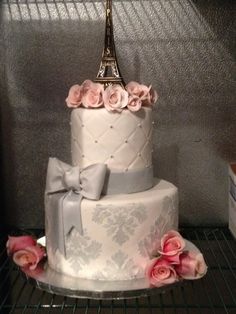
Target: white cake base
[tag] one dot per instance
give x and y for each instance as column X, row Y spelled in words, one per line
column 121, row 232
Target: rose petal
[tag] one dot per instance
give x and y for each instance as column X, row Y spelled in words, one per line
column 160, row 272
column 92, row 94
column 151, row 97
column 134, row 103
column 18, row 243
column 74, row 98
column 134, row 88
column 172, row 259
column 29, row 257
column 115, row 98
column 192, row 265
column 172, row 243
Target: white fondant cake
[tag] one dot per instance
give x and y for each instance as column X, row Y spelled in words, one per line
column 120, row 234
column 111, row 236
column 122, row 140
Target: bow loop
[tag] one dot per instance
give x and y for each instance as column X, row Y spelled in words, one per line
column 92, row 181
column 55, row 172
column 63, row 177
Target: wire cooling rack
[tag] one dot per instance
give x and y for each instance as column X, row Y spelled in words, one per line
column 215, row 293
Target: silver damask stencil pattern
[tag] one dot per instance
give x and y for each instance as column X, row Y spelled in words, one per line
column 81, row 250
column 120, row 265
column 166, row 221
column 120, row 222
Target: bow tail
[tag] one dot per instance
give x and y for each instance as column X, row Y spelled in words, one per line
column 71, row 216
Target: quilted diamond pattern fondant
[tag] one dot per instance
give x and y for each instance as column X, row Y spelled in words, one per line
column 122, row 140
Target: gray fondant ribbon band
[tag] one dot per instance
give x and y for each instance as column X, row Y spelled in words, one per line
column 132, row 181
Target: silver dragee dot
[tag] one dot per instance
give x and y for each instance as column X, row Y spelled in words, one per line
column 111, row 126
column 126, row 141
column 153, row 122
column 139, row 125
column 111, row 156
column 70, row 123
column 139, row 154
column 82, row 125
column 126, row 169
column 95, row 141
column 83, row 156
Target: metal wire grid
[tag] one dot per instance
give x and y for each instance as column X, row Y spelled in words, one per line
column 215, row 293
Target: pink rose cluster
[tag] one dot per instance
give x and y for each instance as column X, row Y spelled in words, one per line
column 174, row 262
column 113, row 98
column 25, row 251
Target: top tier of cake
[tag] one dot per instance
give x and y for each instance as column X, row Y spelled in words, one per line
column 122, row 140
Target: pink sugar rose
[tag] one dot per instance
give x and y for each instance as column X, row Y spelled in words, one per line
column 18, row 243
column 92, row 94
column 160, row 272
column 74, row 98
column 172, row 259
column 37, row 271
column 192, row 265
column 172, row 244
column 29, row 257
column 134, row 103
column 115, row 98
column 151, row 97
column 138, row 90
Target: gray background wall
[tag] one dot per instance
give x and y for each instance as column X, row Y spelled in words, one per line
column 186, row 48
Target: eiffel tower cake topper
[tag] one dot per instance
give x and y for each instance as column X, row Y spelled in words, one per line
column 109, row 89
column 109, row 72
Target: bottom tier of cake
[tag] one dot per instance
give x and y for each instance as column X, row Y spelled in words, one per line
column 120, row 233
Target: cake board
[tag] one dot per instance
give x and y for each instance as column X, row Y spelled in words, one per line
column 54, row 282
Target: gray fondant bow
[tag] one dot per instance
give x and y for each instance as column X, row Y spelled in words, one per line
column 77, row 183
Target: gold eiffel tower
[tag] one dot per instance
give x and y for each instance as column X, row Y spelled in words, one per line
column 109, row 73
